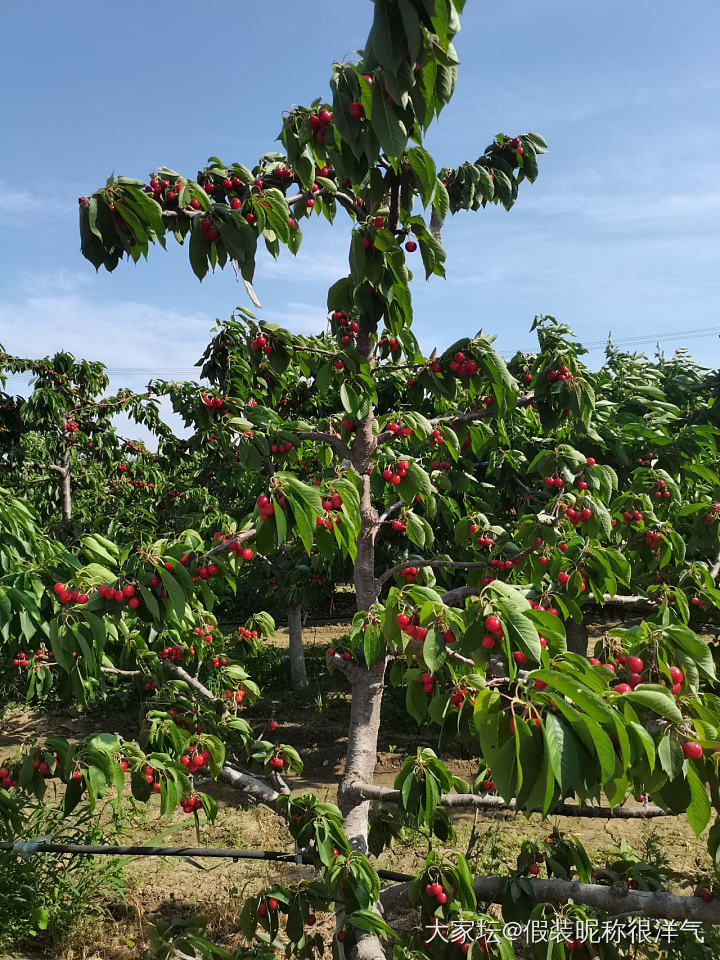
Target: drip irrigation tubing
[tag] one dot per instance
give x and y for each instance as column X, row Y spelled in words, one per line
column 26, row 848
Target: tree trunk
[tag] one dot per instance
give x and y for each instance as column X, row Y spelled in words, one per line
column 298, row 673
column 367, row 691
column 576, row 636
column 361, row 753
column 65, row 492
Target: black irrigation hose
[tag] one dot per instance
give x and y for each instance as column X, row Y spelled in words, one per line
column 82, row 849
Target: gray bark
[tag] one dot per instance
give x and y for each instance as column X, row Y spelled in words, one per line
column 298, row 673
column 615, row 900
column 576, row 635
column 367, row 687
column 466, row 801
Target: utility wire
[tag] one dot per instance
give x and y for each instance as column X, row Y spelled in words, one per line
column 671, row 335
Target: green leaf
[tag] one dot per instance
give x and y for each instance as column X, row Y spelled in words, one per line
column 434, row 651
column 655, row 699
column 671, row 756
column 563, row 752
column 199, row 250
column 698, row 812
column 416, row 529
column 423, row 167
column 174, row 591
column 388, row 127
column 697, row 648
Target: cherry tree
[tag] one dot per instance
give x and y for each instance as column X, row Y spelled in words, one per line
column 483, row 507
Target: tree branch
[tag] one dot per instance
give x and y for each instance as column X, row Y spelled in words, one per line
column 337, row 443
column 352, row 671
column 115, row 672
column 435, row 562
column 176, row 672
column 391, row 509
column 253, row 786
column 469, row 801
column 616, row 899
column 241, row 537
column 715, row 568
column 452, row 597
column 619, row 600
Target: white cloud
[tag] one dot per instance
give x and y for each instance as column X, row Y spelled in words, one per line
column 15, row 201
column 123, row 335
column 136, row 341
column 303, row 318
column 308, row 266
column 609, row 209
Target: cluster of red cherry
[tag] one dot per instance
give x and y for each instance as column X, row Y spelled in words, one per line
column 399, row 430
column 265, row 507
column 194, row 760
column 6, row 780
column 172, row 653
column 237, row 695
column 66, row 596
column 395, row 476
column 461, row 366
column 120, row 595
column 261, row 342
column 212, row 403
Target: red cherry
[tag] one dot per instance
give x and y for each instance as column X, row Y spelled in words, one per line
column 692, row 750
column 635, row 664
column 411, row 246
column 493, row 624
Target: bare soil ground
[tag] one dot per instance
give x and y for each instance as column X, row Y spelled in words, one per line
column 159, row 888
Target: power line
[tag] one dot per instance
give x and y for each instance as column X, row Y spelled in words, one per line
column 671, row 335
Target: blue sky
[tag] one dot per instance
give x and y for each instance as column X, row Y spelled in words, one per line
column 621, row 232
